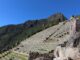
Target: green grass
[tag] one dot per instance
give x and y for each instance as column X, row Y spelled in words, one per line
column 13, row 56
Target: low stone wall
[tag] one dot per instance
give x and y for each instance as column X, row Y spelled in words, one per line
column 39, row 56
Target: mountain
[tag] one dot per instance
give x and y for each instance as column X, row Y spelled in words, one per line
column 62, row 42
column 12, row 35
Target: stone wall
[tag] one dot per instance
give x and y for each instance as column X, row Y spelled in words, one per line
column 39, row 56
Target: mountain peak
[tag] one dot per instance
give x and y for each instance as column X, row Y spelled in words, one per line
column 57, row 16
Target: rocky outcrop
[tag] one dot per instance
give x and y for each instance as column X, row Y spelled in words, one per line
column 66, row 53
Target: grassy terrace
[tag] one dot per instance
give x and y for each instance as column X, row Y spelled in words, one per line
column 12, row 56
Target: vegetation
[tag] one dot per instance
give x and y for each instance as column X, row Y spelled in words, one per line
column 12, row 35
column 10, row 55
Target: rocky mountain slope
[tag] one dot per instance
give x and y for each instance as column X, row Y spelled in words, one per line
column 68, row 49
column 12, row 35
column 45, row 40
column 58, row 42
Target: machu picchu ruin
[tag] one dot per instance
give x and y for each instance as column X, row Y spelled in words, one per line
column 63, row 39
column 57, row 42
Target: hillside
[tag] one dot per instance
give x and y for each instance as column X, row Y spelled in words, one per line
column 45, row 40
column 61, row 44
column 12, row 35
column 57, row 42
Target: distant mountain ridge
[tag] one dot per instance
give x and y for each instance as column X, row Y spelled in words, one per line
column 12, row 35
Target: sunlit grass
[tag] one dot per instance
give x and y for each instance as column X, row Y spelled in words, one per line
column 13, row 56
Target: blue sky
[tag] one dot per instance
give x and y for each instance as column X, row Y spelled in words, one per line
column 18, row 11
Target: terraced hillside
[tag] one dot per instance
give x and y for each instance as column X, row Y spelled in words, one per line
column 12, row 35
column 55, row 38
column 46, row 40
column 10, row 55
